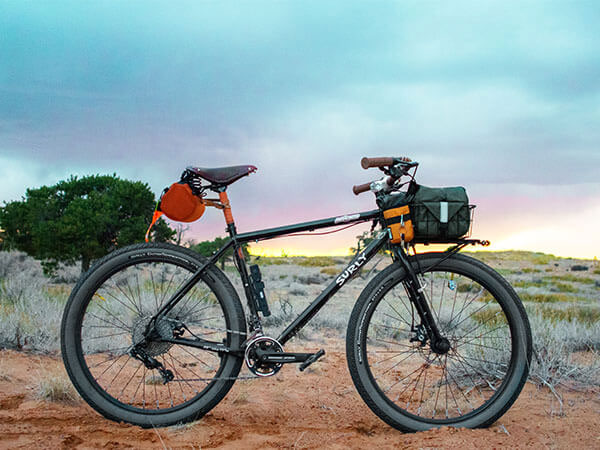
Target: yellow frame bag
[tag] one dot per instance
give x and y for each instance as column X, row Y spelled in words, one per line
column 399, row 223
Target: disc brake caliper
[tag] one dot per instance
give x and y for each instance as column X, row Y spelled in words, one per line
column 420, row 335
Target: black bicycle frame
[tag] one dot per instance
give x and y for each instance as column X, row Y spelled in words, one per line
column 237, row 239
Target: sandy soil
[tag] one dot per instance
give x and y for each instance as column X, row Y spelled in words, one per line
column 316, row 409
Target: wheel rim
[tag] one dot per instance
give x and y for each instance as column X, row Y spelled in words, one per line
column 115, row 317
column 440, row 388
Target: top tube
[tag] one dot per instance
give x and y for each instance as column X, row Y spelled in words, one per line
column 270, row 233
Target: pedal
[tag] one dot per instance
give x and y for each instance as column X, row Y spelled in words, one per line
column 311, row 359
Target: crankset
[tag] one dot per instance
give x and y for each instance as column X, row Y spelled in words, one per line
column 264, row 356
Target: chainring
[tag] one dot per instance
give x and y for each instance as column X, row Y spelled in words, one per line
column 257, row 367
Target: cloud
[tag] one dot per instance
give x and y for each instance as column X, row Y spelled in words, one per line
column 483, row 94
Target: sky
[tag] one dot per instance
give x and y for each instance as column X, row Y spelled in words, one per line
column 500, row 97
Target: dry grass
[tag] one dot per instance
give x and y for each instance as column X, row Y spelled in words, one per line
column 547, row 298
column 317, row 261
column 55, row 386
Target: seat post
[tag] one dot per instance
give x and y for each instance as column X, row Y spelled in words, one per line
column 230, row 222
column 226, row 209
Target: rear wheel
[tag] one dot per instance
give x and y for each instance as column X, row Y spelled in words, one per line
column 107, row 315
column 413, row 388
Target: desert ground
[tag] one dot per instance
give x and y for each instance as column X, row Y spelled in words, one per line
column 318, row 408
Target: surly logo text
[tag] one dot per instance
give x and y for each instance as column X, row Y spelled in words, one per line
column 351, row 269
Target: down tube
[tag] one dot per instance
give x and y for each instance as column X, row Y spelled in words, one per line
column 352, row 269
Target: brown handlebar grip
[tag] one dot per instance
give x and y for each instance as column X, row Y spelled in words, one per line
column 381, row 162
column 360, row 188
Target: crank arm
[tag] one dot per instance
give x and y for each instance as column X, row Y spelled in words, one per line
column 281, row 358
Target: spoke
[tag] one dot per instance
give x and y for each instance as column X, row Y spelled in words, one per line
column 450, row 387
column 479, row 326
column 481, row 375
column 453, row 305
column 446, row 383
column 168, row 384
column 129, row 287
column 144, row 388
column 468, row 374
column 465, row 306
column 472, row 314
column 118, row 373
column 399, row 315
column 408, row 385
column 108, row 335
column 129, row 381
column 127, row 327
column 192, row 309
column 154, row 290
column 388, row 389
column 106, row 360
column 135, row 311
column 162, row 298
column 121, row 291
column 395, row 365
column 400, row 297
column 195, row 357
column 178, row 375
column 394, row 343
column 425, row 366
column 487, row 346
column 461, row 391
column 422, row 392
column 189, row 370
column 505, row 338
column 392, row 357
column 106, row 321
column 108, row 368
column 142, row 381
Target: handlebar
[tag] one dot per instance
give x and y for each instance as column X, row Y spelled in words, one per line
column 396, row 167
column 382, row 162
column 360, row 188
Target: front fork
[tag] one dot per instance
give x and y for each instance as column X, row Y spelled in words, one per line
column 415, row 290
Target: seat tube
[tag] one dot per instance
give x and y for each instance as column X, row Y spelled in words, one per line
column 238, row 255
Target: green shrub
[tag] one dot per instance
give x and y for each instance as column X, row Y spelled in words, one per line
column 547, row 298
column 490, row 317
column 317, row 261
column 330, row 271
column 584, row 314
column 527, row 283
column 530, row 270
column 564, row 287
column 271, row 260
column 572, row 278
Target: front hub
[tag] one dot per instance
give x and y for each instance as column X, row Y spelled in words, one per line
column 441, row 346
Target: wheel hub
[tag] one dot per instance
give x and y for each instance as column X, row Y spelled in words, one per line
column 440, row 346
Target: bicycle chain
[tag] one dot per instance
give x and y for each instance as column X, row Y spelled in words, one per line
column 242, row 377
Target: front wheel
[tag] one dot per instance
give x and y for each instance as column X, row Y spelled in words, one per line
column 413, row 388
column 106, row 319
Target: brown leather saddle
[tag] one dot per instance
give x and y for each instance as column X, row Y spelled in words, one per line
column 223, row 176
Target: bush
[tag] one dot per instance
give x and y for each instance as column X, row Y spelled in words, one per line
column 547, row 298
column 55, row 386
column 317, row 261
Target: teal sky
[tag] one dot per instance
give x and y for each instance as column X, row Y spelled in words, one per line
column 501, row 97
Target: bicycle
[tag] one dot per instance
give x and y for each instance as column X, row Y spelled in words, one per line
column 154, row 334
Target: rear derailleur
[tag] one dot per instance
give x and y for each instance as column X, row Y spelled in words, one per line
column 151, row 363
